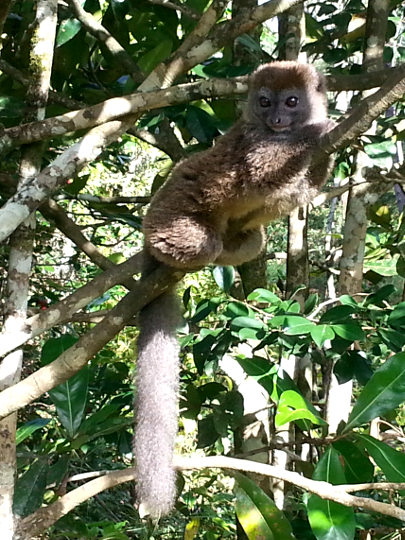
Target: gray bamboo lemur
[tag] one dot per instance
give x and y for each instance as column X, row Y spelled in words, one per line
column 258, row 171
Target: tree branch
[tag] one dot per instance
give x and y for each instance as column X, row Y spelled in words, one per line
column 96, row 29
column 72, row 360
column 42, row 519
column 64, row 310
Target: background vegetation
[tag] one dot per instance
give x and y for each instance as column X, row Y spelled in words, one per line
column 292, row 385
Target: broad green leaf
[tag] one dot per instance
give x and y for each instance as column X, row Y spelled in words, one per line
column 224, row 276
column 207, row 434
column 263, row 295
column 292, row 406
column 350, row 332
column 336, row 314
column 379, row 296
column 357, row 466
column 27, row 429
column 295, row 326
column 236, row 309
column 70, row 400
column 70, row 397
column 397, row 316
column 90, row 424
column 251, row 333
column 247, row 322
column 383, row 392
column 381, row 152
column 321, row 333
column 260, row 369
column 57, row 471
column 392, row 338
column 347, row 300
column 202, row 349
column 200, row 124
column 30, row 488
column 67, row 30
column 257, row 513
column 390, row 461
column 152, row 58
column 204, row 308
column 310, row 303
column 330, row 520
column 385, row 267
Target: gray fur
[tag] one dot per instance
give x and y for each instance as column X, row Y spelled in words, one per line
column 157, row 387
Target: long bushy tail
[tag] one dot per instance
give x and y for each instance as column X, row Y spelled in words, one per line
column 157, row 386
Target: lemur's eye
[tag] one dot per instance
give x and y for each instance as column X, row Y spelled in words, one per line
column 291, row 101
column 264, row 102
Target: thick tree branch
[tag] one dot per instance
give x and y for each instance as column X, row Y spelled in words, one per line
column 72, row 360
column 64, row 310
column 43, row 518
column 65, row 166
column 118, row 107
column 360, row 118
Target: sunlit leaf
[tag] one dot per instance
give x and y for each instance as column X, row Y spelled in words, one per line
column 257, row 513
column 390, row 461
column 383, row 392
column 330, row 520
column 321, row 333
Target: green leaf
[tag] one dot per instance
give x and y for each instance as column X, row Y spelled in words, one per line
column 207, row 434
column 257, row 513
column 224, row 277
column 204, row 308
column 67, row 30
column 379, row 296
column 57, row 471
column 397, row 316
column 337, row 314
column 30, row 488
column 347, row 300
column 381, row 152
column 247, row 322
column 292, row 406
column 89, row 425
column 392, row 338
column 295, row 325
column 200, row 124
column 383, row 392
column 330, row 520
column 263, row 295
column 27, row 429
column 350, row 332
column 70, row 400
column 385, row 267
column 154, row 57
column 321, row 333
column 236, row 309
column 390, row 461
column 357, row 466
column 260, row 369
column 310, row 303
column 70, row 397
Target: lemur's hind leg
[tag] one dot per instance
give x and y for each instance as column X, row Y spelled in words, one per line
column 241, row 247
column 185, row 242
